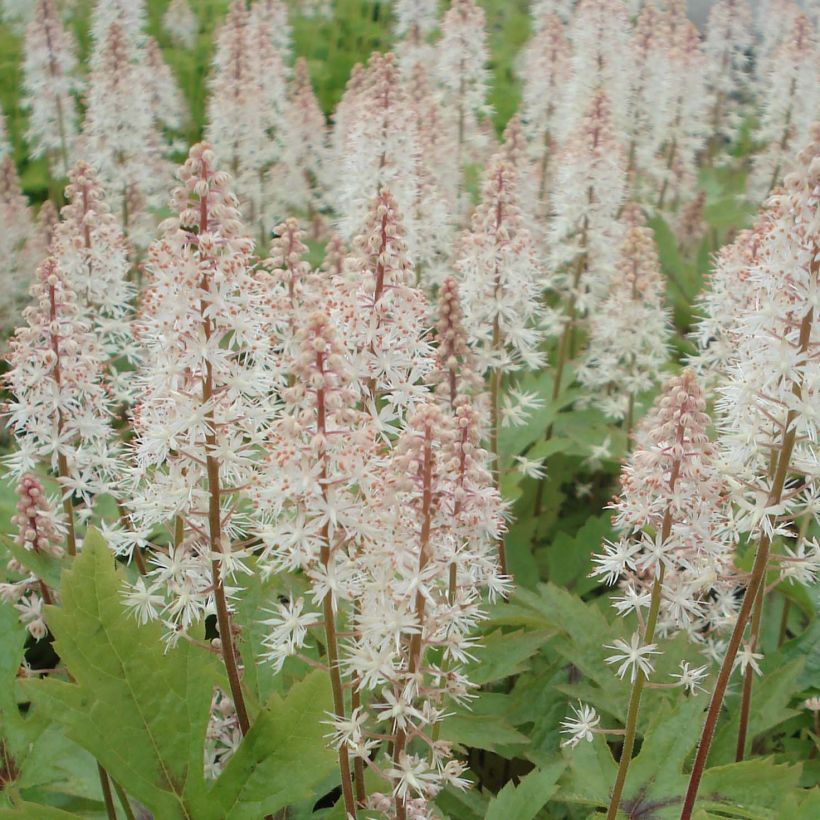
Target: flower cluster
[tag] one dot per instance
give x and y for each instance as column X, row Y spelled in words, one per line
column 629, row 330
column 673, row 518
column 38, row 531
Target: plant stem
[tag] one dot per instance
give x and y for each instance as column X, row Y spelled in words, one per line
column 631, row 728
column 414, row 661
column 748, row 677
column 223, row 615
column 108, row 798
column 560, row 365
column 123, row 798
column 755, row 582
column 328, row 611
column 635, row 703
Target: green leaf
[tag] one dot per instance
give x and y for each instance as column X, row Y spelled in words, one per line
column 503, row 654
column 282, row 759
column 771, row 695
column 657, row 781
column 481, row 732
column 45, row 567
column 569, row 558
column 35, row 811
column 139, row 710
column 807, row 646
column 523, row 802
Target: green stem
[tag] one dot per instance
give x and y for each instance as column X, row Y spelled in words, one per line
column 635, row 703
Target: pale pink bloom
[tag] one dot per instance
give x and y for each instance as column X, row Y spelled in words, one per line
column 544, row 70
column 500, row 278
column 672, row 517
column 120, row 137
column 629, row 331
column 168, row 106
column 772, row 377
column 181, row 23
column 791, row 100
column 602, row 60
column 729, row 36
column 415, row 21
column 589, row 186
column 245, row 108
column 204, row 386
column 20, row 246
column 299, row 176
column 462, row 73
column 50, row 84
column 61, row 406
column 90, row 248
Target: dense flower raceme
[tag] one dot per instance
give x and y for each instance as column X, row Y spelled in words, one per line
column 299, row 177
column 90, row 248
column 415, row 21
column 38, row 530
column 245, row 109
column 120, row 135
column 60, row 407
column 601, row 60
column 771, row 381
column 630, row 329
column 588, row 191
column 19, row 246
column 455, row 372
column 681, row 120
column 377, row 144
column 181, row 23
column 129, row 15
column 501, row 280
column 384, row 314
column 674, row 559
column 271, row 17
column 672, row 514
column 204, row 385
column 545, row 70
column 50, row 85
column 461, row 71
column 729, row 35
column 728, row 296
column 791, row 99
column 167, row 104
column 443, row 519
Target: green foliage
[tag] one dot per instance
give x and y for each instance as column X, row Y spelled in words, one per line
column 525, row 800
column 283, row 758
column 657, row 779
column 142, row 711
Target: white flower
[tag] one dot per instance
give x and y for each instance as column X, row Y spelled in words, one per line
column 290, row 626
column 747, row 658
column 632, row 656
column 689, row 678
column 413, row 776
column 581, row 727
column 145, row 602
column 532, row 468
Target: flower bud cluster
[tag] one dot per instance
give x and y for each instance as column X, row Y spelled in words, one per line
column 38, row 531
